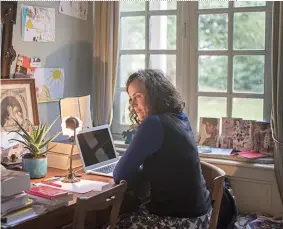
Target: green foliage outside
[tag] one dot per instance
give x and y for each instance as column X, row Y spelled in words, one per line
column 248, row 34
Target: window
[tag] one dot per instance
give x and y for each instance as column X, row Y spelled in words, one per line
column 148, row 39
column 217, row 53
column 229, row 70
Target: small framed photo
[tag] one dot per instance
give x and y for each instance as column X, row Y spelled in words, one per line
column 208, row 132
column 18, row 102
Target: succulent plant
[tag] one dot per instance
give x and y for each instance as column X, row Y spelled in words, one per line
column 35, row 141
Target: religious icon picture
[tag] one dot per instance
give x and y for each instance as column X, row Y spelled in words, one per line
column 18, row 102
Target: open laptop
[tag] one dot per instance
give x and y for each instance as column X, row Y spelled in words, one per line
column 97, row 150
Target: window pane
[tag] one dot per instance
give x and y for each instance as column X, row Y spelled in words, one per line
column 249, row 30
column 162, row 5
column 127, row 6
column 124, row 109
column 166, row 63
column 133, row 32
column 163, row 32
column 211, row 107
column 248, row 3
column 212, row 73
column 213, row 31
column 128, row 65
column 249, row 109
column 249, row 74
column 212, row 4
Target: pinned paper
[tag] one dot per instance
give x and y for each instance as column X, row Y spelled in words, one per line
column 49, row 84
column 35, row 62
column 38, row 24
column 77, row 9
column 23, row 67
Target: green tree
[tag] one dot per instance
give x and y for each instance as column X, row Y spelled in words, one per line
column 249, row 34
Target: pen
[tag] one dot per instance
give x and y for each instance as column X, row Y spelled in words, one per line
column 53, row 179
column 51, row 183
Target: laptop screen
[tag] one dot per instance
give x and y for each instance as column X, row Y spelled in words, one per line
column 96, row 146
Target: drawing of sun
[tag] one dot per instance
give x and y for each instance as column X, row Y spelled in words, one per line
column 56, row 77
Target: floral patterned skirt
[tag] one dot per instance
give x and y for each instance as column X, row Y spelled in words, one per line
column 142, row 219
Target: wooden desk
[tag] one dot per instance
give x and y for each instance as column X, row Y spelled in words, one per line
column 62, row 217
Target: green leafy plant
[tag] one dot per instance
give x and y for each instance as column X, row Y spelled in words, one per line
column 35, row 141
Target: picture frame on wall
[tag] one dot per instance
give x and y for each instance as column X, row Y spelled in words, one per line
column 18, row 102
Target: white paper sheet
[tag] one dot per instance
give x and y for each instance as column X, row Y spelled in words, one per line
column 78, row 9
column 83, row 186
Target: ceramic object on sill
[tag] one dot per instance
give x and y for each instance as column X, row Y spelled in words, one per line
column 128, row 135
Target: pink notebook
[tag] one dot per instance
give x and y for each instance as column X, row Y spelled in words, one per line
column 47, row 192
column 251, row 154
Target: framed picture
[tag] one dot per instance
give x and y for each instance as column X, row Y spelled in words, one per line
column 18, row 102
column 208, row 132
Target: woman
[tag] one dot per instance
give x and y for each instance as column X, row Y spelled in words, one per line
column 164, row 153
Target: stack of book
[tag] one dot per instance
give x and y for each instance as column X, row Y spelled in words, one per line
column 51, row 197
column 59, row 154
column 15, row 203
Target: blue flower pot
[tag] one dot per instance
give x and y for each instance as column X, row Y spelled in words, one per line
column 37, row 168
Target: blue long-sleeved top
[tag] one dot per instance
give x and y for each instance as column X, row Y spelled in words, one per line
column 164, row 153
column 147, row 140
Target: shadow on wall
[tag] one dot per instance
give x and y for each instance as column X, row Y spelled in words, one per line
column 76, row 59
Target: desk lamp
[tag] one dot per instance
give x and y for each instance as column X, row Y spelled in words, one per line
column 70, row 126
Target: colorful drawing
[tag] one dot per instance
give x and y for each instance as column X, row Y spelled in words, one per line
column 38, row 24
column 49, row 83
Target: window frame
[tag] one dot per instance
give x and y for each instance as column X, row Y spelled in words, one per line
column 116, row 127
column 187, row 59
column 191, row 52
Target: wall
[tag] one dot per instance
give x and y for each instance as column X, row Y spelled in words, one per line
column 72, row 50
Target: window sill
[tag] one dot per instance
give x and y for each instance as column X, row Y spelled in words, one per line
column 120, row 146
column 254, row 185
column 234, row 163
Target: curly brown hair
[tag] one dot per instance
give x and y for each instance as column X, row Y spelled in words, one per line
column 161, row 95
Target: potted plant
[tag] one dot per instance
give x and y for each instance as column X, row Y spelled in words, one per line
column 35, row 161
column 129, row 134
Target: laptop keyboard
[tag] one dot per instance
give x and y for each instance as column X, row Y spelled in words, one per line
column 106, row 169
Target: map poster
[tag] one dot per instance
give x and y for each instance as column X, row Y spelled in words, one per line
column 49, row 84
column 38, row 24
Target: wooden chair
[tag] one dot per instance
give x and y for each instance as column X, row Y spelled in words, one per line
column 112, row 197
column 214, row 178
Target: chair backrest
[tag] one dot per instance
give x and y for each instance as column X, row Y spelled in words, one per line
column 214, row 178
column 112, row 197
